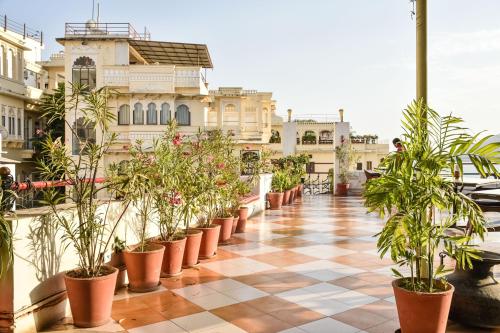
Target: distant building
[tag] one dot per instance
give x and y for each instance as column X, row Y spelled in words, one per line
column 23, row 80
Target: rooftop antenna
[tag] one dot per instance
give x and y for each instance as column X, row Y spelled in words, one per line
column 98, row 12
column 93, row 4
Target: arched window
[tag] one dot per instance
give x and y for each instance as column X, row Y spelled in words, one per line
column 326, row 137
column 2, row 50
column 265, row 116
column 84, row 134
column 138, row 114
column 275, row 137
column 182, row 115
column 165, row 114
column 309, row 137
column 84, row 72
column 124, row 115
column 152, row 115
column 230, row 108
column 230, row 116
column 10, row 64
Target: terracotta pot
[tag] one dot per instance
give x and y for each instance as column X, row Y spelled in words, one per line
column 144, row 268
column 342, row 189
column 209, row 239
column 300, row 190
column 118, row 262
column 91, row 299
column 242, row 222
column 275, row 200
column 235, row 224
column 226, row 225
column 286, row 197
column 422, row 312
column 193, row 241
column 292, row 196
column 172, row 257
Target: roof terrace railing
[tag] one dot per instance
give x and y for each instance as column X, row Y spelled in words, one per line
column 21, row 29
column 94, row 29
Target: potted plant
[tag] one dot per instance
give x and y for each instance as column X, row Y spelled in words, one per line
column 209, row 165
column 287, row 186
column 118, row 262
column 227, row 185
column 278, row 184
column 173, row 167
column 90, row 286
column 421, row 205
column 344, row 156
column 135, row 182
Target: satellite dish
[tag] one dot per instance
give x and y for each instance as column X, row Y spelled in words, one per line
column 4, row 133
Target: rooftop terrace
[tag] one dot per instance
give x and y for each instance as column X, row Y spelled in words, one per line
column 310, row 268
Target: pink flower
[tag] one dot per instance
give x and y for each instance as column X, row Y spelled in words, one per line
column 221, row 165
column 210, row 158
column 175, row 199
column 177, row 140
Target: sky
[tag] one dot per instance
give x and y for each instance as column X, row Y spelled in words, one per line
column 318, row 56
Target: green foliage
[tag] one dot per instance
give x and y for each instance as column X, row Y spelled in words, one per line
column 420, row 203
column 88, row 230
column 5, row 239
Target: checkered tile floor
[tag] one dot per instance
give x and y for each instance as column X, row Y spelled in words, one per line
column 310, row 268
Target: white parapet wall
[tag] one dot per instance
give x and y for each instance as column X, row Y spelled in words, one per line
column 39, row 292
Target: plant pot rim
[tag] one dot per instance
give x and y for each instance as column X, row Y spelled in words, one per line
column 156, row 248
column 114, row 271
column 193, row 232
column 272, row 192
column 211, row 226
column 243, row 207
column 161, row 241
column 223, row 218
column 396, row 285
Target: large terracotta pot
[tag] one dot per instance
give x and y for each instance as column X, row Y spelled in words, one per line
column 226, row 225
column 91, row 299
column 192, row 250
column 118, row 262
column 144, row 268
column 476, row 300
column 235, row 224
column 422, row 312
column 342, row 189
column 209, row 239
column 286, row 197
column 275, row 200
column 242, row 221
column 300, row 190
column 292, row 196
column 172, row 257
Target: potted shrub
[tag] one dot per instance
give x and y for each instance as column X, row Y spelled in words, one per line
column 118, row 262
column 227, row 189
column 344, row 156
column 136, row 183
column 278, row 184
column 90, row 286
column 287, row 186
column 421, row 205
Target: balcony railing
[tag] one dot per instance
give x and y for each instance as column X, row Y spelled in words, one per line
column 94, row 29
column 325, row 141
column 21, row 29
column 309, row 141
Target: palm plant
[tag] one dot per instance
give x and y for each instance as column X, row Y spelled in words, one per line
column 89, row 231
column 421, row 203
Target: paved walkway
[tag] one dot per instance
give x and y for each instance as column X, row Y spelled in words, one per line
column 310, row 268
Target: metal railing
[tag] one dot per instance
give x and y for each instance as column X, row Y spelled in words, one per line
column 91, row 29
column 21, row 29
